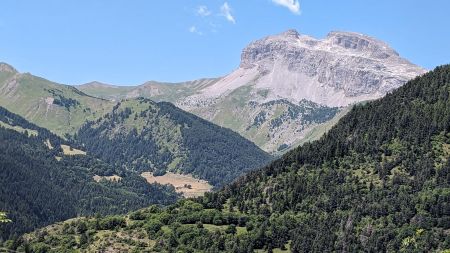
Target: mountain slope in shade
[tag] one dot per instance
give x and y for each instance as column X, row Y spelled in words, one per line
column 279, row 73
column 145, row 136
column 59, row 108
column 41, row 184
column 378, row 181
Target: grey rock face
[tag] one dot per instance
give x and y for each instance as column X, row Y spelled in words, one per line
column 351, row 63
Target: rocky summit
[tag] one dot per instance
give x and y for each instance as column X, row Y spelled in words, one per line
column 341, row 69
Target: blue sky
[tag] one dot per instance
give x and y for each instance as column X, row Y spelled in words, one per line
column 131, row 41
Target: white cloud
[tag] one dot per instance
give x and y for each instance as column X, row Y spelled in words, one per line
column 292, row 5
column 194, row 29
column 225, row 10
column 203, row 11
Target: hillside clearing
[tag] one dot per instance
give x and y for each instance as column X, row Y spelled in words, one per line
column 113, row 178
column 68, row 150
column 19, row 129
column 185, row 184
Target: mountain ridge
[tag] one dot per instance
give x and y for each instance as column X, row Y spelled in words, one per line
column 57, row 107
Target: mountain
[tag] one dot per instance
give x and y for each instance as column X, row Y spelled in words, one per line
column 339, row 70
column 289, row 85
column 44, row 179
column 378, row 181
column 60, row 108
column 145, row 136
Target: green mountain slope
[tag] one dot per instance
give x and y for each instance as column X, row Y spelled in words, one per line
column 142, row 135
column 276, row 126
column 378, row 181
column 40, row 185
column 59, row 108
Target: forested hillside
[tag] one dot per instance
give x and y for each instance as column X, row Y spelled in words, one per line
column 142, row 135
column 379, row 181
column 40, row 185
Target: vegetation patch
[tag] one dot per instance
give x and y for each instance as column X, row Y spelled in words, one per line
column 224, row 228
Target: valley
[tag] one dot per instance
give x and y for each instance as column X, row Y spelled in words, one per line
column 282, row 140
column 145, row 136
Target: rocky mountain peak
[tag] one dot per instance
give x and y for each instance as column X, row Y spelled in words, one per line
column 361, row 43
column 291, row 33
column 4, row 67
column 340, row 69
